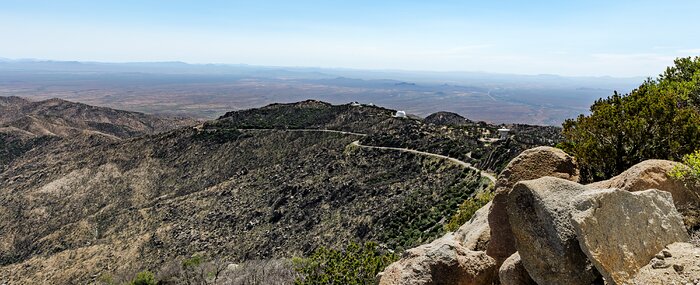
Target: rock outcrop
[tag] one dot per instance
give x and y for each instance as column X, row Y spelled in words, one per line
column 530, row 164
column 445, row 262
column 545, row 238
column 557, row 231
column 653, row 174
column 475, row 234
column 512, row 272
column 678, row 264
column 456, row 258
column 620, row 231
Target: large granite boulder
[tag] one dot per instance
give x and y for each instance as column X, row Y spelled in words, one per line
column 653, row 174
column 475, row 234
column 512, row 272
column 679, row 263
column 530, row 164
column 445, row 262
column 621, row 231
column 539, row 212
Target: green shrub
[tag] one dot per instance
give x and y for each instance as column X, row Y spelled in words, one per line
column 658, row 120
column 467, row 210
column 192, row 262
column 106, row 279
column 144, row 278
column 419, row 219
column 689, row 174
column 357, row 264
column 689, row 171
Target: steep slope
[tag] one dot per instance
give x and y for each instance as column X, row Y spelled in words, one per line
column 63, row 118
column 25, row 124
column 496, row 155
column 442, row 133
column 446, row 119
column 236, row 194
column 254, row 184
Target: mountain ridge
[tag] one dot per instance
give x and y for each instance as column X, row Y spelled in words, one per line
column 226, row 189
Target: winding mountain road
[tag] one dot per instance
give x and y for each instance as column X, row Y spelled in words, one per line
column 454, row 160
column 489, row 176
column 308, row 130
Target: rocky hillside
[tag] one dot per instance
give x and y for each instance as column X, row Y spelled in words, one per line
column 62, row 118
column 637, row 224
column 443, row 132
column 543, row 227
column 446, row 119
column 25, row 125
column 268, row 183
column 254, row 184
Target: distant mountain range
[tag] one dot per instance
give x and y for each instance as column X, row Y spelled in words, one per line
column 209, row 90
column 449, row 77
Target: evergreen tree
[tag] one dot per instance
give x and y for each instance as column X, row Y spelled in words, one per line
column 660, row 119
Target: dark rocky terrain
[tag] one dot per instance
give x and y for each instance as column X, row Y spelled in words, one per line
column 25, row 125
column 542, row 227
column 446, row 119
column 442, row 133
column 254, row 184
column 62, row 118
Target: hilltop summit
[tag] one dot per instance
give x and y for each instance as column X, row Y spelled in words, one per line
column 267, row 183
column 446, row 119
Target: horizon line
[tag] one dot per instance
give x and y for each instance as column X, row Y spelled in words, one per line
column 5, row 59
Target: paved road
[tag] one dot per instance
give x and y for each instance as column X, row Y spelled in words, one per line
column 357, row 143
column 489, row 94
column 308, row 130
column 457, row 161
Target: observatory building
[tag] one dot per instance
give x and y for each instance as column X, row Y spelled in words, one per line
column 503, row 132
column 400, row 114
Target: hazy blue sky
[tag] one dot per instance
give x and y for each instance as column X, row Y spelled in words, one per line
column 619, row 38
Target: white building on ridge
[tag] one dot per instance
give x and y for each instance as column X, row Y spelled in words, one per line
column 504, row 133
